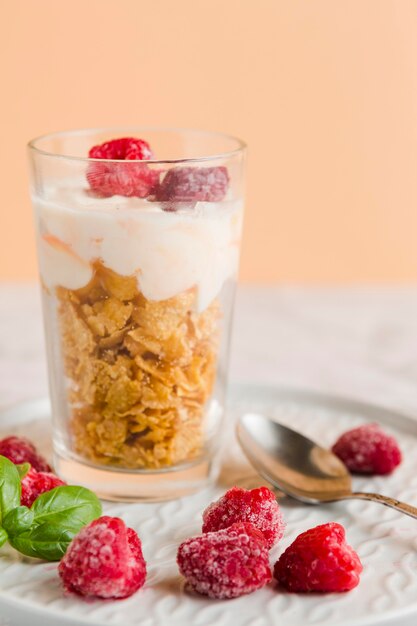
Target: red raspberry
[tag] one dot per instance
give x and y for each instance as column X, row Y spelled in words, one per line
column 257, row 506
column 125, row 148
column 21, row 450
column 191, row 184
column 227, row 563
column 123, row 179
column 104, row 560
column 35, row 483
column 319, row 560
column 368, row 450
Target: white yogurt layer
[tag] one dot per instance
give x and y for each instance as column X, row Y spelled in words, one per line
column 169, row 252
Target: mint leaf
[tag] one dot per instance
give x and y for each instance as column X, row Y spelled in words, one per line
column 48, row 541
column 66, row 507
column 3, row 537
column 10, row 488
column 23, row 469
column 18, row 520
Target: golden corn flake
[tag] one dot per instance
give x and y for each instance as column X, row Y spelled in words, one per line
column 106, row 317
column 161, row 319
column 121, row 287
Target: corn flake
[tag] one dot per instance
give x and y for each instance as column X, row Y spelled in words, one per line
column 141, row 371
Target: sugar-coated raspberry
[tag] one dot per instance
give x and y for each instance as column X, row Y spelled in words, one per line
column 227, row 563
column 319, row 560
column 128, row 148
column 21, row 450
column 104, row 560
column 368, row 450
column 257, row 506
column 123, row 179
column 192, row 184
column 35, row 483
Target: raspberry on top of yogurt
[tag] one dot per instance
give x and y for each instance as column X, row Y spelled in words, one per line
column 177, row 185
column 194, row 184
column 109, row 178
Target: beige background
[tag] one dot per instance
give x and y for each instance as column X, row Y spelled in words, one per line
column 323, row 91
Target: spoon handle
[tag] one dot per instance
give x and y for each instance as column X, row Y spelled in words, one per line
column 387, row 501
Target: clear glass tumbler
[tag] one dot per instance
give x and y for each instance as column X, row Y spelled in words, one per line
column 138, row 262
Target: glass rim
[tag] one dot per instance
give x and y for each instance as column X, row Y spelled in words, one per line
column 240, row 149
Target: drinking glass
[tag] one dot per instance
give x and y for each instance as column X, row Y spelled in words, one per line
column 138, row 262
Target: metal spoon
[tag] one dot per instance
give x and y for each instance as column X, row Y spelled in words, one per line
column 299, row 467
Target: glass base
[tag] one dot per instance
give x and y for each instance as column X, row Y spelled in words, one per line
column 119, row 485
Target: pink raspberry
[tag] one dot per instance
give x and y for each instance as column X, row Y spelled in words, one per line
column 227, row 563
column 368, row 450
column 257, row 506
column 123, row 179
column 319, row 560
column 192, row 184
column 104, row 560
column 35, row 483
column 21, row 450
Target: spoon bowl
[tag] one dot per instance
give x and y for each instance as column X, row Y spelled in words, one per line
column 300, row 467
column 292, row 462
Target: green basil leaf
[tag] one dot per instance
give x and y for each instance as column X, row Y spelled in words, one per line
column 3, row 537
column 18, row 520
column 23, row 469
column 10, row 488
column 67, row 506
column 48, row 542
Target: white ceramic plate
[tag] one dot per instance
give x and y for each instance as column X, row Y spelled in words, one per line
column 30, row 592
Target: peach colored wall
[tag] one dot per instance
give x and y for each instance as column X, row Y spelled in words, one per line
column 324, row 92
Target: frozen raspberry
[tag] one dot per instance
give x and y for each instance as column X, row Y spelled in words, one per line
column 368, row 450
column 35, row 483
column 257, row 506
column 319, row 560
column 227, row 563
column 21, row 450
column 123, row 179
column 121, row 149
column 104, row 560
column 192, row 184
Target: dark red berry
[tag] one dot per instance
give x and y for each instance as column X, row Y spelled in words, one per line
column 21, row 450
column 193, row 184
column 368, row 450
column 124, row 179
column 35, row 483
column 227, row 563
column 257, row 506
column 104, row 560
column 319, row 560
